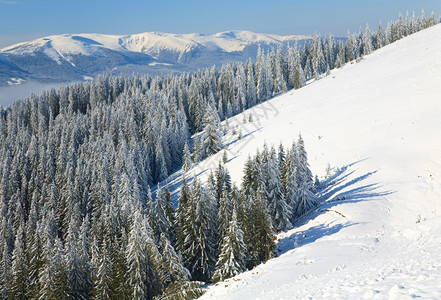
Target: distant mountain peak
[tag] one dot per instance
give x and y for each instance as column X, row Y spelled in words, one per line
column 69, row 57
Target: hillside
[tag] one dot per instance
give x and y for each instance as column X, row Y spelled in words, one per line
column 378, row 122
column 70, row 57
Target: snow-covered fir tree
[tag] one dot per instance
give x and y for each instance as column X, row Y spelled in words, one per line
column 231, row 259
column 182, row 214
column 164, row 214
column 263, row 246
column 211, row 141
column 305, row 199
column 186, row 158
column 199, row 245
column 172, row 262
column 279, row 209
column 136, row 255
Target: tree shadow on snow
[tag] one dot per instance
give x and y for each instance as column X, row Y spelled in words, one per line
column 338, row 188
column 301, row 238
column 243, row 137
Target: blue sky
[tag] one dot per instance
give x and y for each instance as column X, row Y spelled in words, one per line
column 22, row 20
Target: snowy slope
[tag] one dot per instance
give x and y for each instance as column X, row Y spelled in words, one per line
column 379, row 120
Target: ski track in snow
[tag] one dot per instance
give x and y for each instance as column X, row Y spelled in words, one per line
column 381, row 119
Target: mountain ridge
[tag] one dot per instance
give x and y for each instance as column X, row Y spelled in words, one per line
column 70, row 57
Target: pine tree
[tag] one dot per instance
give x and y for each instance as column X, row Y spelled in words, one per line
column 246, row 220
column 169, row 212
column 5, row 271
column 431, row 21
column 186, row 158
column 19, row 268
column 414, row 25
column 380, row 37
column 249, row 179
column 289, row 178
column 263, row 92
column 420, row 21
column 269, row 66
column 211, row 141
column 164, row 214
column 102, row 288
column 349, row 48
column 53, row 280
column 399, row 28
column 222, row 178
column 367, row 41
column 224, row 156
column 331, row 52
column 262, row 166
column 279, row 209
column 279, row 73
column 172, row 263
column 340, row 59
column 182, row 227
column 281, row 156
column 76, row 262
column 263, row 246
column 318, row 59
column 225, row 211
column 259, row 65
column 240, row 89
column 199, row 245
column 212, row 210
column 299, row 77
column 136, row 255
column 197, row 153
column 305, row 199
column 86, row 266
column 161, row 171
column 231, row 259
column 251, row 86
column 304, row 173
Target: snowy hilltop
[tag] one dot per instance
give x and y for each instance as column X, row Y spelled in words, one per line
column 377, row 234
column 71, row 57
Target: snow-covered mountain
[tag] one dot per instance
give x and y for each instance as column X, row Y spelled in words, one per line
column 377, row 233
column 76, row 56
